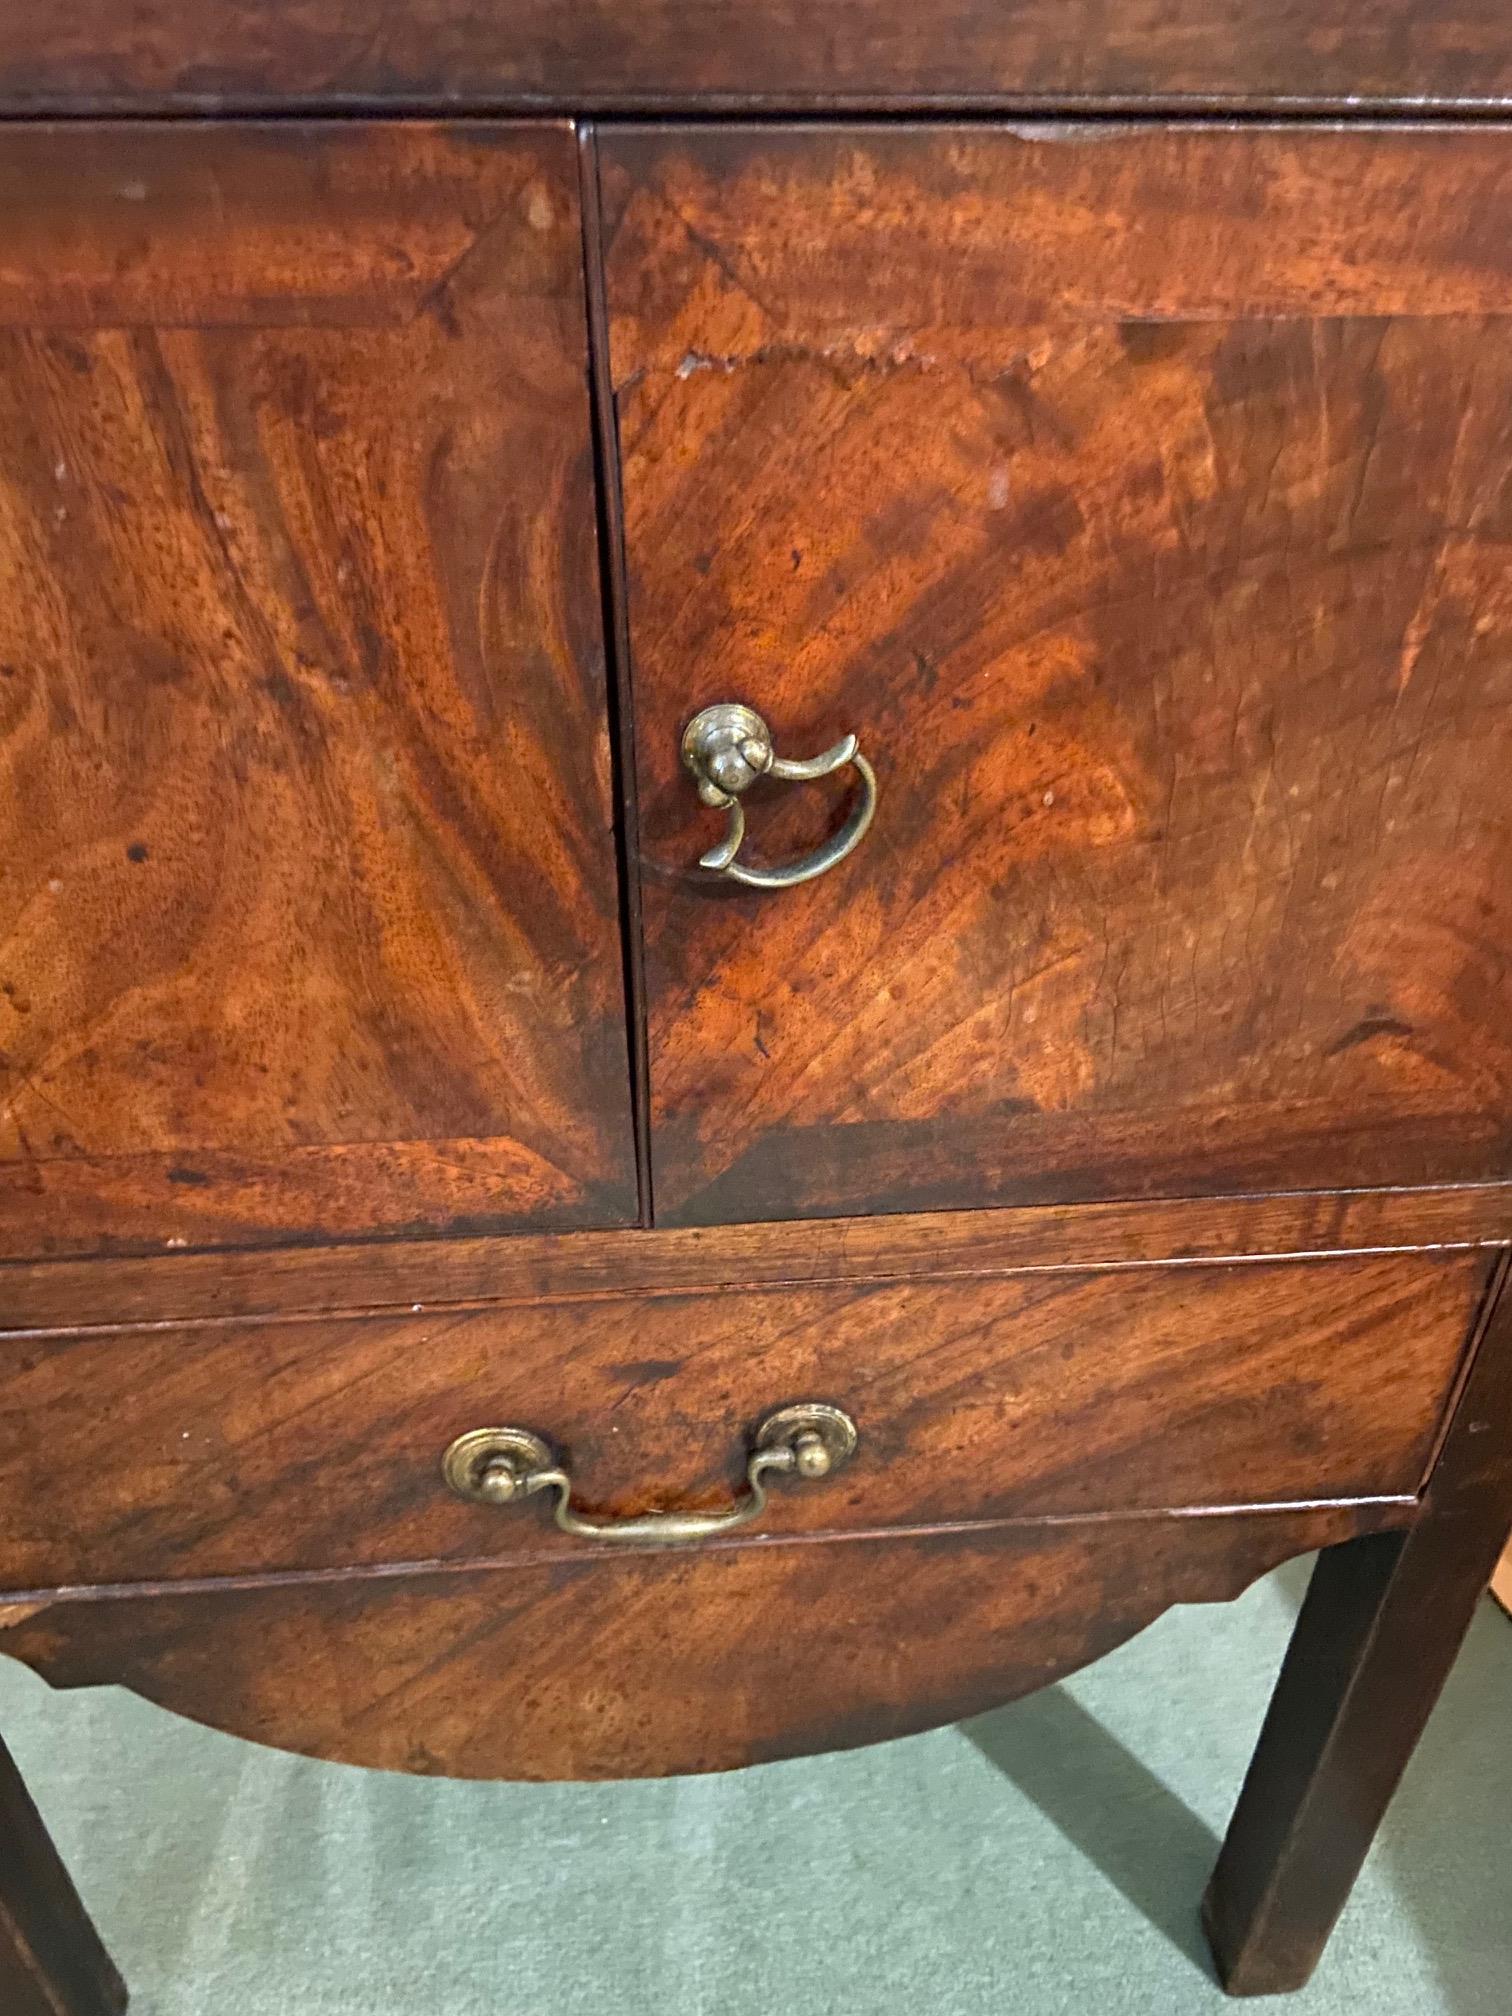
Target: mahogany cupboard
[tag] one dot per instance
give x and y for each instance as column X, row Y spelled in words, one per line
column 755, row 868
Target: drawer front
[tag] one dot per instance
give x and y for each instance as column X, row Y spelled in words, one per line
column 1138, row 498
column 308, row 905
column 237, row 1448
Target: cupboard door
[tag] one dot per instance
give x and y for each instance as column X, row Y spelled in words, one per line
column 1139, row 498
column 308, row 904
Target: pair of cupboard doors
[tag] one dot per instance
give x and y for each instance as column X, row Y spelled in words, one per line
column 379, row 501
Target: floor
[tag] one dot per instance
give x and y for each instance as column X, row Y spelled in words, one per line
column 1045, row 1860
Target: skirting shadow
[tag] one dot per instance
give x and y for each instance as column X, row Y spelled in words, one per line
column 1147, row 1842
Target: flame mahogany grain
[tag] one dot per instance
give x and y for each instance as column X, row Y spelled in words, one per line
column 309, row 925
column 1137, row 495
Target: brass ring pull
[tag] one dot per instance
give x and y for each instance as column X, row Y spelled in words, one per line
column 727, row 748
column 504, row 1466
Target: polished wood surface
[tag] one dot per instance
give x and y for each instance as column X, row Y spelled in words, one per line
column 315, row 224
column 662, row 1662
column 1383, row 1621
column 452, row 1273
column 710, row 54
column 308, row 911
column 51, row 1959
column 238, row 1448
column 1136, row 496
column 1123, row 1136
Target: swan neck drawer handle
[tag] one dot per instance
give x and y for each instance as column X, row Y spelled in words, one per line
column 727, row 748
column 505, row 1466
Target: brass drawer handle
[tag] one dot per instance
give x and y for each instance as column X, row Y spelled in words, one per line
column 504, row 1466
column 727, row 748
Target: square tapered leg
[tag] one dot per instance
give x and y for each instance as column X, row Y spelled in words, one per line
column 51, row 1960
column 1378, row 1634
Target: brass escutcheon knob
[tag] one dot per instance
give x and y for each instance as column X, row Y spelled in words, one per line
column 727, row 747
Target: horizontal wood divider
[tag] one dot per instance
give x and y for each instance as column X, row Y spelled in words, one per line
column 1328, row 1520
column 195, row 1287
column 237, row 55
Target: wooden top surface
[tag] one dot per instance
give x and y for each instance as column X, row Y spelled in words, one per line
column 95, row 56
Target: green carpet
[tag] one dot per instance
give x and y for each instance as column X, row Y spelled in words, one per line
column 1045, row 1860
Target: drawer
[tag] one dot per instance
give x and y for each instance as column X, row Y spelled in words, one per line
column 235, row 1448
column 309, row 918
column 1137, row 497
